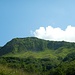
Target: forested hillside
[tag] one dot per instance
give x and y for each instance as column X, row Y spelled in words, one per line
column 34, row 44
column 33, row 56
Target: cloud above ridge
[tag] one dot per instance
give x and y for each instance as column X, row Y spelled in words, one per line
column 56, row 34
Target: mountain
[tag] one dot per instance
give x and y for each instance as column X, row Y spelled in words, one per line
column 33, row 44
column 34, row 56
column 23, row 44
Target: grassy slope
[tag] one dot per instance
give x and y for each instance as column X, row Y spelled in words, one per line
column 40, row 54
column 62, row 52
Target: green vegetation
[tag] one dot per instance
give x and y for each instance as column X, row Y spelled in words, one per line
column 33, row 56
column 5, row 70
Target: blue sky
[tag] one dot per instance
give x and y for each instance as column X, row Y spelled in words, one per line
column 19, row 17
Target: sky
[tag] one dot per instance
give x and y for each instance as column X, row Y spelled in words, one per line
column 45, row 19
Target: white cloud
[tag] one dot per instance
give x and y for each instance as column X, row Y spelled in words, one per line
column 56, row 34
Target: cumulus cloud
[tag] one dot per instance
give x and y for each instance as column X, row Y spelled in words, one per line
column 56, row 34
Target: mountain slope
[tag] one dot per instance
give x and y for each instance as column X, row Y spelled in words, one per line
column 37, row 57
column 35, row 45
column 22, row 44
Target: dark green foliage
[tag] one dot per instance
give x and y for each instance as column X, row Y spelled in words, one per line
column 65, row 68
column 39, row 66
column 29, row 64
column 70, row 57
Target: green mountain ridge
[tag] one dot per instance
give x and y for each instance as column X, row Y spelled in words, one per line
column 34, row 56
column 37, row 47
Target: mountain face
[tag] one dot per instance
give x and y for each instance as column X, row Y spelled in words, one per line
column 34, row 44
column 37, row 57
